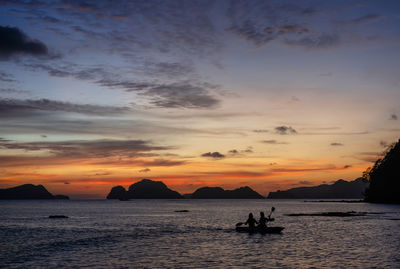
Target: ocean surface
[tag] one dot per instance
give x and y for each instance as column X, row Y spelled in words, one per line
column 150, row 234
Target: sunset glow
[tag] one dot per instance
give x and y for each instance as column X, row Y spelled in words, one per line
column 213, row 93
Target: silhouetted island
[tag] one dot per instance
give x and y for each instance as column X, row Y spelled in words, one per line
column 28, row 191
column 220, row 193
column 384, row 178
column 144, row 189
column 341, row 189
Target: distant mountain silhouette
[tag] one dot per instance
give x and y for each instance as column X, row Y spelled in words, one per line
column 220, row 193
column 339, row 190
column 28, row 191
column 384, row 178
column 144, row 189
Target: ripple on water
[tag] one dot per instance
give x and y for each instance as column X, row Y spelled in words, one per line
column 110, row 234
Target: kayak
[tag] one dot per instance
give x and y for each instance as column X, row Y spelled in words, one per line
column 267, row 230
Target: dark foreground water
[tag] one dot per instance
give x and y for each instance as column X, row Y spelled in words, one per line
column 149, row 234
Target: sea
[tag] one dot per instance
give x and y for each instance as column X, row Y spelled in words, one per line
column 152, row 234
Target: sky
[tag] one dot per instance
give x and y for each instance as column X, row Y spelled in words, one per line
column 266, row 94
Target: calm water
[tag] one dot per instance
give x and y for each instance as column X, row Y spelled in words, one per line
column 149, row 234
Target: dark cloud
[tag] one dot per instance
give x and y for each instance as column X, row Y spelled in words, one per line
column 336, row 144
column 248, row 150
column 167, row 27
column 160, row 162
column 215, row 155
column 67, row 69
column 66, row 183
column 179, row 94
column 168, row 69
column 15, row 106
column 132, row 161
column 393, row 117
column 249, row 32
column 127, row 159
column 145, row 170
column 87, row 148
column 315, row 41
column 365, row 19
column 284, row 130
column 13, row 91
column 244, row 151
column 233, row 152
column 13, row 41
column 273, row 142
column 37, row 123
column 261, row 22
column 184, row 94
column 347, row 166
column 5, row 77
column 261, row 36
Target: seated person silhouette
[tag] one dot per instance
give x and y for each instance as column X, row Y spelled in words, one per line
column 263, row 221
column 251, row 221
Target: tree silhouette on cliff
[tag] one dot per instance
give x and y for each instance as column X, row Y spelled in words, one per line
column 384, row 178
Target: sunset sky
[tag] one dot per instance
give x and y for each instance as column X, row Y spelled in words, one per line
column 268, row 94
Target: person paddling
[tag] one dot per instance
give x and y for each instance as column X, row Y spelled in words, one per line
column 251, row 221
column 269, row 216
column 263, row 221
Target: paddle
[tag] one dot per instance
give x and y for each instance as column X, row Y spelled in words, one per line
column 269, row 216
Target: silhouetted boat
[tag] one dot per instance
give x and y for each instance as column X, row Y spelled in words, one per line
column 267, row 230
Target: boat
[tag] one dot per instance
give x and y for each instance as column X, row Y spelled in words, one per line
column 267, row 230
column 263, row 229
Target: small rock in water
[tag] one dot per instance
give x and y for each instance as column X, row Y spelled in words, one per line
column 182, row 211
column 58, row 217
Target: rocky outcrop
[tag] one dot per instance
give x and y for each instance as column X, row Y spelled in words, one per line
column 148, row 189
column 220, row 193
column 28, row 191
column 384, row 178
column 117, row 192
column 341, row 189
column 144, row 189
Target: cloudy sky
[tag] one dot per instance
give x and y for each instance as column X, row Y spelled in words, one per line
column 269, row 94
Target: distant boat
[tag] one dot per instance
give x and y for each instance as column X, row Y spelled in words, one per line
column 267, row 230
